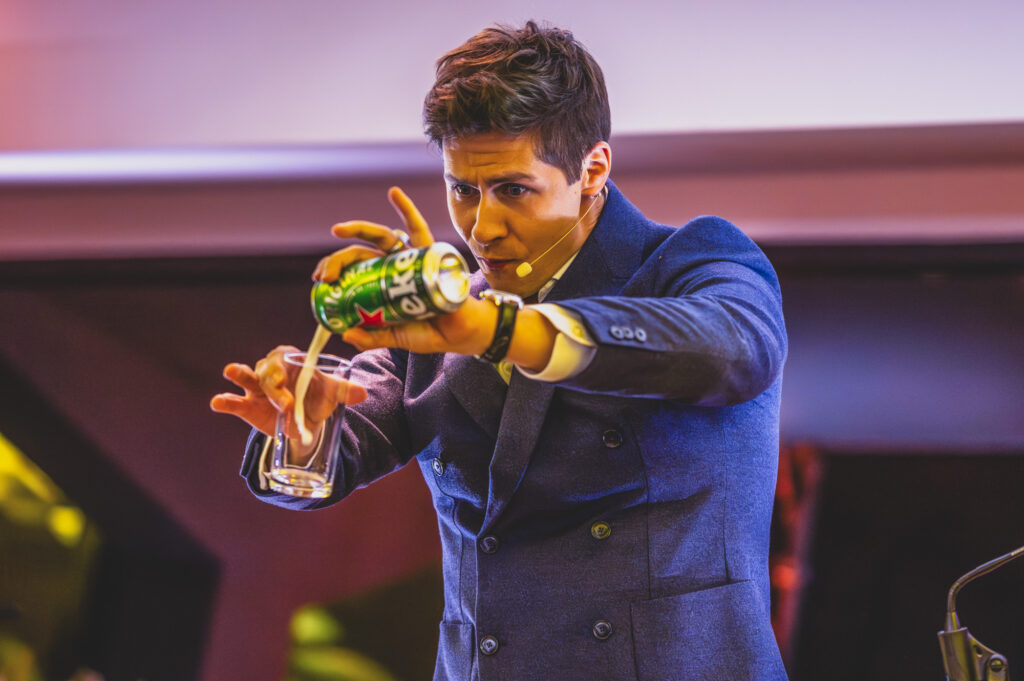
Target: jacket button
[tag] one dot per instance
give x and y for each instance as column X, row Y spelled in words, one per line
column 627, row 333
column 611, row 438
column 438, row 466
column 616, row 332
column 640, row 334
column 600, row 530
column 602, row 630
column 489, row 645
column 489, row 544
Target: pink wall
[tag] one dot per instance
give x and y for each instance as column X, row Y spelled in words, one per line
column 120, row 74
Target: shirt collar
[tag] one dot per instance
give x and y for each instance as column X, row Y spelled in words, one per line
column 550, row 284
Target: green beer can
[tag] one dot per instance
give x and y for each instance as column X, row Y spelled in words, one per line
column 399, row 287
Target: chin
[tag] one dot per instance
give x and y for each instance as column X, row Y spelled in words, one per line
column 509, row 283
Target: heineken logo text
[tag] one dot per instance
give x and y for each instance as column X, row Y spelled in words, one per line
column 403, row 285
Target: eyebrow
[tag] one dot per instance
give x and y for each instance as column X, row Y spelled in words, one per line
column 499, row 179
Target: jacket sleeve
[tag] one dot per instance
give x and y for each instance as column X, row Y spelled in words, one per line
column 374, row 437
column 700, row 322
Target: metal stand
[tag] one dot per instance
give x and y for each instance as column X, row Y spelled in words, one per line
column 964, row 657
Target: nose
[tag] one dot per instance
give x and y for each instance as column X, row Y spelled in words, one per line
column 490, row 222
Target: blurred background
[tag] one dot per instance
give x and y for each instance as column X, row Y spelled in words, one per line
column 168, row 176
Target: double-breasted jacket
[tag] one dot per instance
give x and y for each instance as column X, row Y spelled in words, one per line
column 612, row 526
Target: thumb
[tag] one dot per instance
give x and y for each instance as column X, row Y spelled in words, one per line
column 364, row 339
column 351, row 393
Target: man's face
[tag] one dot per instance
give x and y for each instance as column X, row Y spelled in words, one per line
column 510, row 206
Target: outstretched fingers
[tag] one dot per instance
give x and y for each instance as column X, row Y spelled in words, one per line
column 243, row 376
column 414, row 336
column 351, row 393
column 272, row 381
column 231, row 403
column 237, row 405
column 419, row 233
column 363, row 339
column 381, row 236
column 330, row 267
column 253, row 407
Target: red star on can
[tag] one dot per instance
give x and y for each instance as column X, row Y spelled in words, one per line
column 371, row 319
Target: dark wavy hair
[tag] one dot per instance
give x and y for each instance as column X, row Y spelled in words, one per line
column 530, row 80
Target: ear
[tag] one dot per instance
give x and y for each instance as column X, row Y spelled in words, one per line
column 597, row 164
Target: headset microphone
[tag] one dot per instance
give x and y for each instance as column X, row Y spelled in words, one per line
column 524, row 269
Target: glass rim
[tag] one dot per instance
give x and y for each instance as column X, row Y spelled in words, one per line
column 324, row 362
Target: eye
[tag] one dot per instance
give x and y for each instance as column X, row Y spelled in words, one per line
column 462, row 189
column 516, row 190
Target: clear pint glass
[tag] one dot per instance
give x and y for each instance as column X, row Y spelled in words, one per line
column 301, row 470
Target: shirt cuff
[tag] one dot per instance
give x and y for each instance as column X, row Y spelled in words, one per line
column 263, row 465
column 573, row 349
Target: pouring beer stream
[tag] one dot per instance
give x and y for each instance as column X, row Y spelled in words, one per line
column 404, row 286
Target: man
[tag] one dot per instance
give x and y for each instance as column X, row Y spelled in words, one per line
column 604, row 482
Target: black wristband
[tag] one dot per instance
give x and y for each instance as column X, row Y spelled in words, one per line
column 509, row 305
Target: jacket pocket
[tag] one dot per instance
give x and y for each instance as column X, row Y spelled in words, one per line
column 718, row 633
column 454, row 652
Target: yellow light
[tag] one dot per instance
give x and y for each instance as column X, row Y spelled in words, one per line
column 313, row 625
column 16, row 465
column 67, row 524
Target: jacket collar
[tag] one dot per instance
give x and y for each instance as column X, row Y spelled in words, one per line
column 609, row 256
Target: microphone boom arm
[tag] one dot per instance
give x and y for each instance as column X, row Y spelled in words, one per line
column 964, row 657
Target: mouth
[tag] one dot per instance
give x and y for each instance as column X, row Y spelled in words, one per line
column 496, row 264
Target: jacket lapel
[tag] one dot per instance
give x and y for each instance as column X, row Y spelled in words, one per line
column 477, row 388
column 521, row 420
column 475, row 384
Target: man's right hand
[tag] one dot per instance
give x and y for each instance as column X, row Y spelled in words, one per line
column 269, row 390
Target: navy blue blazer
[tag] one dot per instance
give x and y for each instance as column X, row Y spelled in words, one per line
column 614, row 525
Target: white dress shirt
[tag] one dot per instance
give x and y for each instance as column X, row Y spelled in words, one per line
column 573, row 349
